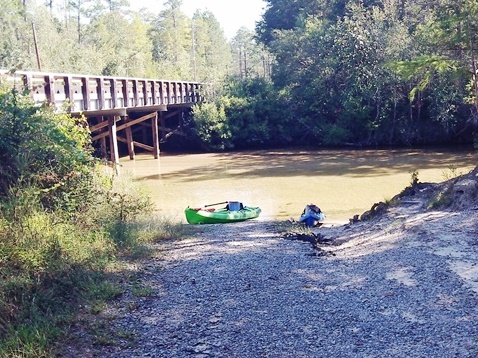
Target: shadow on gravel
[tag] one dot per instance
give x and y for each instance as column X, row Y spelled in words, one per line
column 247, row 290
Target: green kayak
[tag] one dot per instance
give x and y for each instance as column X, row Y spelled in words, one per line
column 220, row 216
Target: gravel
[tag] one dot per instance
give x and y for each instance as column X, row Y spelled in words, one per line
column 401, row 286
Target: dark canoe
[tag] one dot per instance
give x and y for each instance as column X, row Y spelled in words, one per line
column 221, row 216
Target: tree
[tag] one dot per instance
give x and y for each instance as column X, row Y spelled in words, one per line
column 64, row 55
column 257, row 115
column 283, row 15
column 80, row 7
column 211, row 53
column 211, row 127
column 288, row 15
column 115, row 5
column 454, row 35
column 171, row 41
column 115, row 56
column 336, row 75
column 449, row 35
column 16, row 36
column 251, row 59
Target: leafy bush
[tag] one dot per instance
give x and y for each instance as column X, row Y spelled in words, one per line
column 211, row 126
column 250, row 114
column 39, row 147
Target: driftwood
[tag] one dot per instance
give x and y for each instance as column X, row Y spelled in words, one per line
column 314, row 239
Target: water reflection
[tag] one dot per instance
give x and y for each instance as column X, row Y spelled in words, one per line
column 342, row 182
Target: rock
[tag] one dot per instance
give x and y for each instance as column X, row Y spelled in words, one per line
column 355, row 219
column 376, row 210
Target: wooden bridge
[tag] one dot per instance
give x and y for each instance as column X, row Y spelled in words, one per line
column 139, row 112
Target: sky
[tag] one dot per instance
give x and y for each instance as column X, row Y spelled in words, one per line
column 231, row 14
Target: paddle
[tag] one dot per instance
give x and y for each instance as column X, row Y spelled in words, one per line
column 224, row 202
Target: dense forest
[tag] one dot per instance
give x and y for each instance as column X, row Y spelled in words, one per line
column 375, row 72
column 314, row 72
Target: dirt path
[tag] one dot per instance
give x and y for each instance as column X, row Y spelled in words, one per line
column 404, row 285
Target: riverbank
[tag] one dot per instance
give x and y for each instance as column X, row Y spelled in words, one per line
column 403, row 284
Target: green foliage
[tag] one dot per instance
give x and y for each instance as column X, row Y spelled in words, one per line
column 33, row 338
column 11, row 45
column 115, row 56
column 69, row 35
column 211, row 54
column 251, row 59
column 170, row 35
column 62, row 223
column 334, row 135
column 334, row 76
column 45, row 262
column 449, row 34
column 423, row 66
column 40, row 148
column 103, row 290
column 256, row 115
column 286, row 15
column 336, row 70
column 250, row 114
column 142, row 291
column 211, row 126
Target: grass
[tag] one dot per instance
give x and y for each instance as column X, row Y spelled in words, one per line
column 102, row 334
column 443, row 199
column 51, row 264
column 34, row 340
column 293, row 228
column 142, row 291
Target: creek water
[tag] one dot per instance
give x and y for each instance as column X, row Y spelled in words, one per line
column 281, row 182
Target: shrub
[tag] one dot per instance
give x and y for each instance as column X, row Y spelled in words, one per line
column 211, row 126
column 40, row 148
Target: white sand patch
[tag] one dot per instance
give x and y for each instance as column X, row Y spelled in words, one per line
column 403, row 276
column 450, row 251
column 468, row 271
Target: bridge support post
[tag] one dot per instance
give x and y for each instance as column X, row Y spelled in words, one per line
column 155, row 129
column 130, row 142
column 163, row 125
column 114, row 142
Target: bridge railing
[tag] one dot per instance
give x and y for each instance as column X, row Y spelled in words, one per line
column 92, row 93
